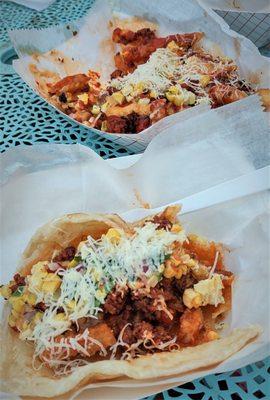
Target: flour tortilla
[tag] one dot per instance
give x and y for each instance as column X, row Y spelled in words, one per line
column 18, row 375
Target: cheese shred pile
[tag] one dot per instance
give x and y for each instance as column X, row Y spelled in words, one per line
column 115, row 259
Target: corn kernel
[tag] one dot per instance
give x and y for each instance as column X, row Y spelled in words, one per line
column 39, row 267
column 174, row 261
column 191, row 299
column 72, row 264
column 113, row 235
column 191, row 99
column 51, row 283
column 179, row 273
column 60, row 317
column 161, row 268
column 71, row 304
column 17, row 303
column 29, row 298
column 190, row 262
column 204, row 80
column 212, row 335
column 37, row 317
column 153, row 281
column 95, row 110
column 24, row 325
column 176, row 228
column 100, row 294
column 184, row 268
column 227, row 59
column 145, row 100
column 104, row 126
column 15, row 313
column 178, row 100
column 173, row 90
column 172, row 46
column 104, row 107
column 169, row 272
column 185, row 258
column 170, row 97
column 84, row 98
column 153, row 94
column 127, row 90
column 199, row 239
column 139, row 87
column 5, row 291
column 118, row 97
column 12, row 321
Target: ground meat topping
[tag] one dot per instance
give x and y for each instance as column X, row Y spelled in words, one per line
column 117, row 124
column 162, row 222
column 19, row 279
column 63, row 98
column 40, row 306
column 65, row 255
column 84, row 323
column 116, row 74
column 142, row 330
column 185, row 282
column 117, row 322
column 115, row 301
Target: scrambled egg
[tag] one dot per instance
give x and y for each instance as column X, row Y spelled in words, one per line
column 207, row 291
column 180, row 96
column 41, row 280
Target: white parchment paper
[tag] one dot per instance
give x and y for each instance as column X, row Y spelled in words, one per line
column 37, row 5
column 258, row 6
column 92, row 48
column 46, row 181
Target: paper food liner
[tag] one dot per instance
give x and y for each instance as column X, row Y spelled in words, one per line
column 48, row 181
column 251, row 6
column 86, row 44
column 37, row 5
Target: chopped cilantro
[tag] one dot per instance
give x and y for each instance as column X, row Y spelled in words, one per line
column 18, row 292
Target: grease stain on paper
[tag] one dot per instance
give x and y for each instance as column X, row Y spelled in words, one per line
column 132, row 23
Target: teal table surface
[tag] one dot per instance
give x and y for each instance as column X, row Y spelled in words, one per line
column 27, row 119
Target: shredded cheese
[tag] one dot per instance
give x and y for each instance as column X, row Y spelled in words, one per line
column 212, row 270
column 156, row 74
column 165, row 67
column 104, row 264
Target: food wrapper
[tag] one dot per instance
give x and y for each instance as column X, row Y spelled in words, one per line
column 86, row 44
column 43, row 182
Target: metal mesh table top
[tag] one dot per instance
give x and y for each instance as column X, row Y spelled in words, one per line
column 27, row 119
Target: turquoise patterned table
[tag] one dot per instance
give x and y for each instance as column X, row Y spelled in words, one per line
column 26, row 119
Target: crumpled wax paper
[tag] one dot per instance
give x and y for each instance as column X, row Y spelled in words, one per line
column 86, row 44
column 43, row 182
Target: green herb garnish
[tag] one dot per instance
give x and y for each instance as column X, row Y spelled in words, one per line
column 18, row 292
